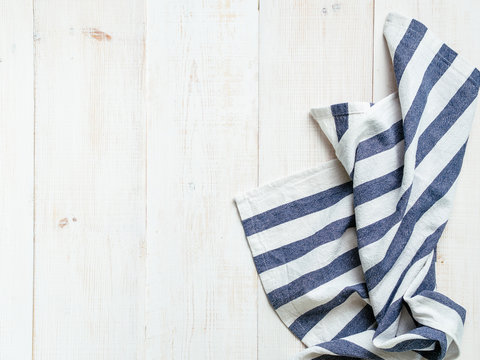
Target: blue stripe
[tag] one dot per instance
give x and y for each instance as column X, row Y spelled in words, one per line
column 449, row 115
column 374, row 232
column 412, row 344
column 433, row 336
column 391, row 314
column 294, row 250
column 340, row 114
column 442, row 299
column 304, row 323
column 334, row 357
column 360, row 322
column 347, row 350
column 407, row 46
column 440, row 338
column 312, row 280
column 391, row 311
column 387, row 316
column 429, row 281
column 440, row 63
column 435, row 191
column 296, row 209
column 377, row 187
column 380, row 142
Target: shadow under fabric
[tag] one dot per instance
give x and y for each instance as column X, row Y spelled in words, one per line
column 346, row 251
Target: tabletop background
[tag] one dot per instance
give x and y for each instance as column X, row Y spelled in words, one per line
column 126, row 129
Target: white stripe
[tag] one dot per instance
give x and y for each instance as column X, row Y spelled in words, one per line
column 441, row 93
column 414, row 276
column 291, row 188
column 300, row 228
column 394, row 29
column 335, row 321
column 426, row 310
column 380, row 164
column 377, row 119
column 423, row 228
column 365, row 340
column 320, row 295
column 435, row 161
column 387, row 203
column 415, row 70
column 374, row 252
column 314, row 260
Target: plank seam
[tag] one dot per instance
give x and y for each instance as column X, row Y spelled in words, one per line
column 34, row 95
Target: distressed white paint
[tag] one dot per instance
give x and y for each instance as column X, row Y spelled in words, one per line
column 16, row 180
column 149, row 117
column 89, row 180
column 202, row 150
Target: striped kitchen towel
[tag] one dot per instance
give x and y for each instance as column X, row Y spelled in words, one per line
column 346, row 251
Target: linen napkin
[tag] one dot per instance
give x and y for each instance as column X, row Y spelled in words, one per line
column 346, row 251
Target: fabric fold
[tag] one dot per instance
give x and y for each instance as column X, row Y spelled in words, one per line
column 346, row 251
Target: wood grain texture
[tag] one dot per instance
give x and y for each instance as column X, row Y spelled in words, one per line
column 202, row 150
column 16, row 182
column 89, row 180
column 312, row 53
column 458, row 256
column 127, row 129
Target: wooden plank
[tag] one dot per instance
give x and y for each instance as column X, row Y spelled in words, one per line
column 458, row 258
column 16, row 183
column 90, row 180
column 202, row 150
column 312, row 53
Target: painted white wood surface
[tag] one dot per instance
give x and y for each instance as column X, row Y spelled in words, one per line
column 90, row 183
column 128, row 127
column 202, row 150
column 16, row 182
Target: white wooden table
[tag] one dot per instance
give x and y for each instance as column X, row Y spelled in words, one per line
column 126, row 129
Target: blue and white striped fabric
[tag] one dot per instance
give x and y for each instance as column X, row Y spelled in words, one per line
column 346, row 251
